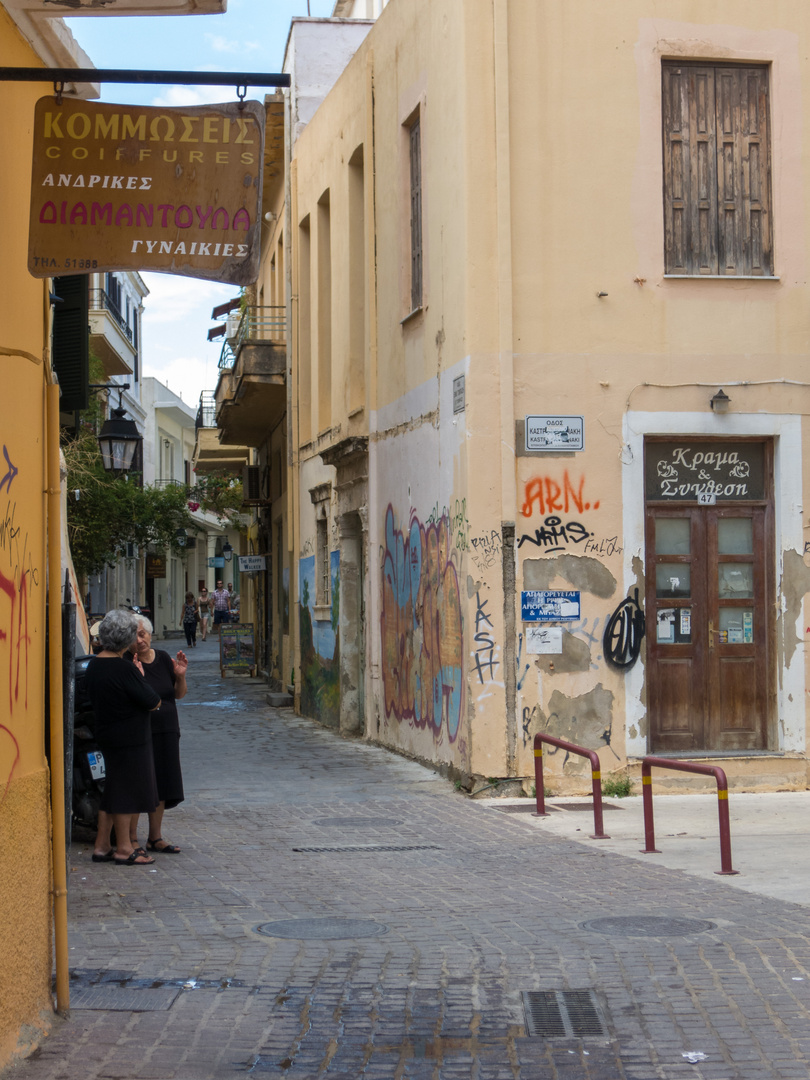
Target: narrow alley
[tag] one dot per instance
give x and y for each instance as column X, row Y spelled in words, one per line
column 407, row 923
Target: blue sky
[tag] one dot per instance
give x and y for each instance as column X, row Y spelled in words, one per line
column 250, row 36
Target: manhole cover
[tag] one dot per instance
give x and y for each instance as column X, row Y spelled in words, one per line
column 322, row 929
column 647, row 926
column 357, row 823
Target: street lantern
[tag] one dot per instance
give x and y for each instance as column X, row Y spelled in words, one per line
column 227, row 551
column 118, row 441
column 181, row 537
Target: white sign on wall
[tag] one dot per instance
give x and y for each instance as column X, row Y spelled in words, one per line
column 544, row 639
column 555, row 433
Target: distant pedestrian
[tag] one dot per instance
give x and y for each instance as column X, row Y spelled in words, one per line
column 221, row 601
column 189, row 617
column 204, row 602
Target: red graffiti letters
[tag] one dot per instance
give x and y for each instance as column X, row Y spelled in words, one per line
column 550, row 496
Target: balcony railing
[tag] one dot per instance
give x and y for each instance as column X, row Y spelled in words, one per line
column 168, row 483
column 100, row 298
column 258, row 325
column 206, row 411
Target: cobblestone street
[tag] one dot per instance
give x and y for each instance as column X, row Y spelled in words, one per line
column 465, row 909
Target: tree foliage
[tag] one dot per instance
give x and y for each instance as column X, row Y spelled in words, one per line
column 220, row 495
column 113, row 511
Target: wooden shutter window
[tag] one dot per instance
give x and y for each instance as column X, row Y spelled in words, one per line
column 717, row 165
column 416, row 215
column 71, row 341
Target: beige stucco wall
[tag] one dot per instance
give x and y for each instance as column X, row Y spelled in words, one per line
column 542, row 178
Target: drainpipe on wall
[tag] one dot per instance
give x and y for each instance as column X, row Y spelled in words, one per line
column 503, row 211
column 58, row 845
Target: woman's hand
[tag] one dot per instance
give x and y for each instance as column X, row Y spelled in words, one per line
column 180, row 665
column 137, row 664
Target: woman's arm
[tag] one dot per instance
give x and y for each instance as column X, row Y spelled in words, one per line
column 180, row 666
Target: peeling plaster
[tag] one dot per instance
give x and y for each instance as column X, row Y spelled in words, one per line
column 795, row 583
column 575, row 656
column 586, row 720
column 581, row 571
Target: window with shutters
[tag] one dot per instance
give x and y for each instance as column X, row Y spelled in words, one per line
column 717, row 170
column 415, row 139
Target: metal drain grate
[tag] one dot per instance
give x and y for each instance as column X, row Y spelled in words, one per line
column 373, row 847
column 562, row 1014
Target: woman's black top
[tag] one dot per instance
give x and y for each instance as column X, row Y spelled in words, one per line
column 121, row 700
column 160, row 676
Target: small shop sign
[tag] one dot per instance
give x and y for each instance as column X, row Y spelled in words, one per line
column 707, row 473
column 123, row 187
column 249, row 564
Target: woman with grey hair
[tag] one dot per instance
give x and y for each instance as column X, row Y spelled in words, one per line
column 167, row 677
column 122, row 701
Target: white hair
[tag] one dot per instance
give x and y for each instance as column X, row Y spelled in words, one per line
column 117, row 630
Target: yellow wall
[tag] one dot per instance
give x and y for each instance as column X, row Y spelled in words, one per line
column 25, row 902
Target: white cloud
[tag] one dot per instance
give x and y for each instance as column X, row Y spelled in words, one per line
column 228, row 45
column 181, row 96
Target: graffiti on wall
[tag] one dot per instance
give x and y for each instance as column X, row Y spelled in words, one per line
column 320, row 646
column 548, row 496
column 421, row 625
column 485, row 550
column 458, row 522
column 18, row 576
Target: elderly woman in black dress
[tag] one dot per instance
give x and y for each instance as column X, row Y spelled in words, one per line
column 122, row 702
column 167, row 677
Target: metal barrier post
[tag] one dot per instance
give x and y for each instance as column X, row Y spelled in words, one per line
column 596, row 779
column 722, row 804
column 539, row 788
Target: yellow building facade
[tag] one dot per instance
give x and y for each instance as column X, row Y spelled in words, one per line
column 548, row 371
column 25, row 814
column 33, row 894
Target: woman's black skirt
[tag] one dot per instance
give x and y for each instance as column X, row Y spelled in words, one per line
column 130, row 787
column 166, row 746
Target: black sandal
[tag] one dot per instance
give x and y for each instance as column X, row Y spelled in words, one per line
column 132, row 860
column 169, row 849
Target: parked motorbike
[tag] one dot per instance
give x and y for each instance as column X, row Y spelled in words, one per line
column 88, row 761
column 138, row 609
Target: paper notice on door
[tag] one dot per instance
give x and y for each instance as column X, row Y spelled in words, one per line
column 666, row 625
column 686, row 622
column 748, row 627
column 735, row 634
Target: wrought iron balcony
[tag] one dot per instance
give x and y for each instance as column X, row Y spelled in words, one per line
column 258, row 325
column 101, row 299
column 206, row 411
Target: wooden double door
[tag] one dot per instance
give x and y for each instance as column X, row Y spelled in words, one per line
column 709, row 611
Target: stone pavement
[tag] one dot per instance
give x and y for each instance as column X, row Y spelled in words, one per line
column 467, row 908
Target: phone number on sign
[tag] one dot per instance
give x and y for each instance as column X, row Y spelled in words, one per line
column 68, row 264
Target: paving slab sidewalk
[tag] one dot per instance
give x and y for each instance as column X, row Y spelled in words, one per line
column 467, row 908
